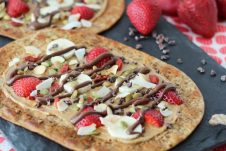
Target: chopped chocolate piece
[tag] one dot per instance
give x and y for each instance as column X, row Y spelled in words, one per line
column 165, row 51
column 139, row 46
column 223, row 78
column 213, row 73
column 112, row 79
column 132, row 29
column 129, row 113
column 180, row 61
column 172, row 42
column 165, row 57
column 201, row 70
column 136, row 38
column 125, row 39
column 203, row 62
column 68, row 102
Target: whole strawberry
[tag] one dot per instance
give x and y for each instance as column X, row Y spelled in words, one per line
column 169, row 7
column 94, row 53
column 16, row 8
column 221, row 4
column 85, row 12
column 144, row 15
column 23, row 87
column 200, row 15
column 89, row 119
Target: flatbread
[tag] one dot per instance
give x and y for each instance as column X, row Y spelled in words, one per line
column 56, row 129
column 110, row 15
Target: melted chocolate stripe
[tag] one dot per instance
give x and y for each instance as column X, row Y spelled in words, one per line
column 109, row 63
column 78, row 118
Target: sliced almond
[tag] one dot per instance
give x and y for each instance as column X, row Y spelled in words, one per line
column 46, row 84
column 87, row 130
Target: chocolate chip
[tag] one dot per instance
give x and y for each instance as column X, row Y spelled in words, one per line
column 172, row 42
column 165, row 57
column 165, row 51
column 213, row 73
column 223, row 78
column 203, row 62
column 125, row 39
column 139, row 46
column 112, row 79
column 201, row 70
column 180, row 61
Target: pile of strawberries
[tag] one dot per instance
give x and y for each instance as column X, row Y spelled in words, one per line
column 200, row 15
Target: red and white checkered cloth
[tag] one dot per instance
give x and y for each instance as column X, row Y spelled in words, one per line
column 215, row 47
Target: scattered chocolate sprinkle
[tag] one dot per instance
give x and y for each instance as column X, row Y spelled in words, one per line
column 154, row 34
column 180, row 61
column 162, row 46
column 131, row 34
column 213, row 73
column 203, row 62
column 165, row 57
column 223, row 78
column 139, row 46
column 201, row 70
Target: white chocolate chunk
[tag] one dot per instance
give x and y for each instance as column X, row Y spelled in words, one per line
column 74, row 17
column 80, row 54
column 87, row 130
column 70, row 86
column 73, row 62
column 39, row 70
column 218, row 119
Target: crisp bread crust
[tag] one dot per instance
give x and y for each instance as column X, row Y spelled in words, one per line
column 55, row 129
column 105, row 21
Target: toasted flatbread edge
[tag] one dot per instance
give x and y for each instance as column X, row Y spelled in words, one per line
column 51, row 127
column 111, row 15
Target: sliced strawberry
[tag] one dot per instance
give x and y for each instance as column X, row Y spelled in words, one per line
column 119, row 63
column 15, row 24
column 32, row 58
column 89, row 119
column 15, row 8
column 23, row 87
column 154, row 79
column 94, row 53
column 64, row 68
column 169, row 7
column 171, row 97
column 99, row 78
column 54, row 87
column 85, row 12
column 55, row 101
column 153, row 117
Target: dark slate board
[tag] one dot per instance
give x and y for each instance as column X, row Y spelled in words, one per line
column 213, row 90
